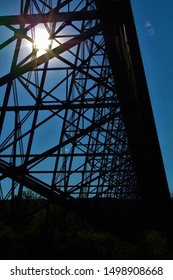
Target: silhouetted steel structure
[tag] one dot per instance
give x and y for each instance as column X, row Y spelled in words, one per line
column 76, row 120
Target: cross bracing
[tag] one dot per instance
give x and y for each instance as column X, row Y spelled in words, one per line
column 62, row 126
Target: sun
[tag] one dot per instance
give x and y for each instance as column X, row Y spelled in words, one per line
column 41, row 42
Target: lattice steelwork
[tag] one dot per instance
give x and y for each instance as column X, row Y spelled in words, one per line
column 61, row 125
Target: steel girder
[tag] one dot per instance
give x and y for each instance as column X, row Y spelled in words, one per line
column 62, row 128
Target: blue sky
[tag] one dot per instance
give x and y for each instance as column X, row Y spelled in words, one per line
column 154, row 23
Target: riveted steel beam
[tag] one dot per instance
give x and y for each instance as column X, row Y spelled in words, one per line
column 52, row 16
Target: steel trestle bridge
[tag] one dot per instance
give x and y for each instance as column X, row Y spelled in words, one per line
column 76, row 119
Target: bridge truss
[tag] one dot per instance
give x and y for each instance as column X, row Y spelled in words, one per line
column 67, row 125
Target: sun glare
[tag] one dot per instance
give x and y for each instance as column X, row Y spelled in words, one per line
column 42, row 42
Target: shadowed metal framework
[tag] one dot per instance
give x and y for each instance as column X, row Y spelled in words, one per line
column 64, row 130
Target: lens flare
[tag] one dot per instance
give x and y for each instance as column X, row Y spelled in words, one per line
column 42, row 41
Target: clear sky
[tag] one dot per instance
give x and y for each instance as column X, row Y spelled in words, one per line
column 154, row 23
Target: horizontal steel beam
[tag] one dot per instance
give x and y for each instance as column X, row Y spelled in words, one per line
column 71, row 106
column 95, row 154
column 53, row 16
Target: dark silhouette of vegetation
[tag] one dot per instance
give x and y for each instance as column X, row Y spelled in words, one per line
column 54, row 233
